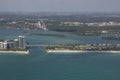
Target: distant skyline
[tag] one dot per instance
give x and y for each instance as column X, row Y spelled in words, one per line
column 59, row 5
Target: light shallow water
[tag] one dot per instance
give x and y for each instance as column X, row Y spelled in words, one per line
column 42, row 66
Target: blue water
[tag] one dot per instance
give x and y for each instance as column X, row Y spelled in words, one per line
column 39, row 65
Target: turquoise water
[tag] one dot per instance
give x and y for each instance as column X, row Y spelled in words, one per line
column 41, row 66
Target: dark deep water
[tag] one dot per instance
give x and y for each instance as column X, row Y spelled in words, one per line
column 39, row 65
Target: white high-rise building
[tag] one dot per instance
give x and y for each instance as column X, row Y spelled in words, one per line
column 22, row 42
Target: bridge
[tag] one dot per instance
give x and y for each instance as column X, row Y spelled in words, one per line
column 40, row 45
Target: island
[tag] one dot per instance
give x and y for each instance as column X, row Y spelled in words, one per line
column 111, row 38
column 81, row 48
column 14, row 46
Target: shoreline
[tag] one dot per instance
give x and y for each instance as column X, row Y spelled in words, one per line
column 77, row 51
column 15, row 52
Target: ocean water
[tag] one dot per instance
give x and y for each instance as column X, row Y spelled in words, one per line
column 39, row 65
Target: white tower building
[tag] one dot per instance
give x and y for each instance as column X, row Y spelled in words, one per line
column 22, row 42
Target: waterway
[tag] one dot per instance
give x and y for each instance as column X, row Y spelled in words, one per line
column 39, row 65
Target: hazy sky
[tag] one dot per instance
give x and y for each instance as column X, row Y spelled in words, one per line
column 59, row 5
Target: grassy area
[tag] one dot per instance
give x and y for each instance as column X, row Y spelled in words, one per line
column 111, row 38
column 52, row 35
column 85, row 33
column 85, row 30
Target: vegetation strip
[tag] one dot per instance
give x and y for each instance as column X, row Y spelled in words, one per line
column 52, row 35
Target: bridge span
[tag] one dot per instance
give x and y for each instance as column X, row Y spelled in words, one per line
column 40, row 45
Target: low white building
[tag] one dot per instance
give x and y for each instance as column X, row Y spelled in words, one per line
column 6, row 45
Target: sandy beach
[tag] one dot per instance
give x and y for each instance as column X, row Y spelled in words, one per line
column 77, row 51
column 15, row 52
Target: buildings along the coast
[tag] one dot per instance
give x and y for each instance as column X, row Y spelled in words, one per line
column 19, row 43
